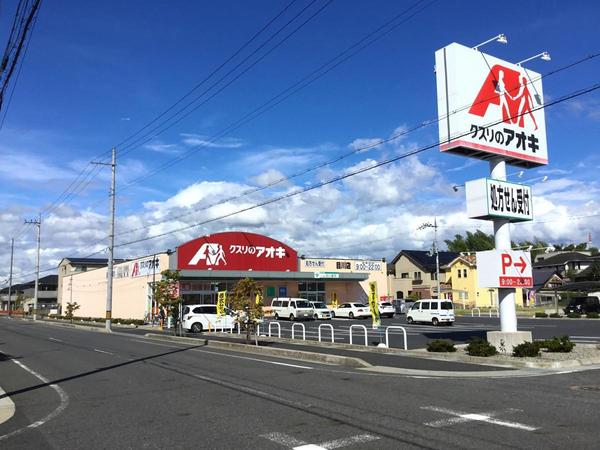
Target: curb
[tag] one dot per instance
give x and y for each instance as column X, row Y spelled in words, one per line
column 345, row 361
column 7, row 407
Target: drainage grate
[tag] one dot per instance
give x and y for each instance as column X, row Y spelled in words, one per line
column 593, row 388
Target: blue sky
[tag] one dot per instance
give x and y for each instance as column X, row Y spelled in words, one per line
column 96, row 72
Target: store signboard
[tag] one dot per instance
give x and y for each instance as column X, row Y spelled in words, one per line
column 236, row 251
column 489, row 199
column 488, row 107
column 145, row 267
column 504, row 269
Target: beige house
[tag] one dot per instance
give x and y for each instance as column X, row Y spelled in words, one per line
column 412, row 274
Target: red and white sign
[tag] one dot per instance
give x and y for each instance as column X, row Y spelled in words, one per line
column 488, row 107
column 236, row 251
column 504, row 269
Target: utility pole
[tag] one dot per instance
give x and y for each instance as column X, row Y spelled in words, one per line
column 38, row 223
column 12, row 251
column 434, row 249
column 111, row 238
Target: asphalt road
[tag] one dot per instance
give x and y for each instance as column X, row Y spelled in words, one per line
column 417, row 335
column 120, row 391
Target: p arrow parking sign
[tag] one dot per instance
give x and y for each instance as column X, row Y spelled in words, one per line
column 504, row 269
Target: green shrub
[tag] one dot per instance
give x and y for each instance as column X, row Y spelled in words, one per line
column 527, row 349
column 573, row 315
column 541, row 314
column 441, row 345
column 480, row 347
column 557, row 344
column 592, row 315
column 555, row 315
column 138, row 322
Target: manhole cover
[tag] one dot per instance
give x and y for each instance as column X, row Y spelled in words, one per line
column 593, row 388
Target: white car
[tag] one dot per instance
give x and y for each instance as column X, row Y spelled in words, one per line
column 321, row 310
column 197, row 318
column 432, row 311
column 386, row 309
column 352, row 311
column 292, row 308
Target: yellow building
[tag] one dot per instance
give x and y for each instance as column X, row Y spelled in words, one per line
column 461, row 273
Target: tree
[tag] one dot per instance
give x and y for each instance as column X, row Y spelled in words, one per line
column 71, row 308
column 166, row 293
column 247, row 297
column 473, row 242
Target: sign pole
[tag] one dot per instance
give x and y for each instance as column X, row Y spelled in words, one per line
column 506, row 297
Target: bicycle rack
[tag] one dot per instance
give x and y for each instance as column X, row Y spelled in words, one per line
column 473, row 312
column 303, row 330
column 278, row 329
column 395, row 327
column 497, row 312
column 330, row 327
column 365, row 330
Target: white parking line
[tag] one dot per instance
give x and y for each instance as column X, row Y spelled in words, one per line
column 103, row 351
column 296, row 444
column 64, row 402
column 461, row 417
column 55, row 340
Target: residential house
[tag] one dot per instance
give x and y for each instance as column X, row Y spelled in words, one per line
column 545, row 283
column 47, row 294
column 412, row 273
column 566, row 263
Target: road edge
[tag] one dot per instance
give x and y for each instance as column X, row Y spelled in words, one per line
column 7, row 407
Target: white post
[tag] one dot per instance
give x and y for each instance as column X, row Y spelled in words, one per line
column 111, row 243
column 12, row 250
column 506, row 297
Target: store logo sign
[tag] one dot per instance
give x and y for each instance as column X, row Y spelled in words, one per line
column 212, row 253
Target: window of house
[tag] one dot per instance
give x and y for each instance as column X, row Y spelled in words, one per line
column 434, row 276
column 459, row 272
column 464, row 273
column 404, row 275
column 417, row 275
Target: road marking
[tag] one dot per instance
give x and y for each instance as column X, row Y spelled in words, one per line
column 461, row 417
column 103, row 351
column 296, row 444
column 55, row 340
column 585, row 337
column 255, row 359
column 64, row 402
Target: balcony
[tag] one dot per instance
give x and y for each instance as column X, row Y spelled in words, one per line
column 417, row 282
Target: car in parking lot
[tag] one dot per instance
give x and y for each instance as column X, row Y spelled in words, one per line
column 352, row 310
column 386, row 309
column 197, row 318
column 583, row 305
column 321, row 310
column 431, row 311
column 292, row 308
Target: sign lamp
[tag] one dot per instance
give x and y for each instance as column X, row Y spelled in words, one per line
column 500, row 38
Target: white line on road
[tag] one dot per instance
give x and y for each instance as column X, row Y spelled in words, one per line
column 296, row 444
column 55, row 340
column 283, row 439
column 585, row 337
column 64, row 402
column 345, row 442
column 254, row 359
column 103, row 351
column 461, row 417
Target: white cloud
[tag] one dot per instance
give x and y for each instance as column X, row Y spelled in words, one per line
column 20, row 165
column 194, row 140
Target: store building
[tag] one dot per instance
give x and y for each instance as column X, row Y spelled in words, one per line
column 216, row 262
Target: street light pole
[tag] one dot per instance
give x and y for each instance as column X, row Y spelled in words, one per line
column 434, row 250
column 38, row 223
column 111, row 239
column 12, row 251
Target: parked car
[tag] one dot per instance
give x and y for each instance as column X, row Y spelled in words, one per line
column 292, row 308
column 321, row 310
column 352, row 310
column 386, row 309
column 197, row 318
column 432, row 311
column 583, row 305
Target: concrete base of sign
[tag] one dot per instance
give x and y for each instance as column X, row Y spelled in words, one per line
column 505, row 341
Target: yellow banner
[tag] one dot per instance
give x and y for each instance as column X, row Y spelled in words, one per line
column 374, row 304
column 334, row 299
column 221, row 299
column 259, row 298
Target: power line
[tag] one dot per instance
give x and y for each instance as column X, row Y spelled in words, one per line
column 342, row 156
column 355, row 172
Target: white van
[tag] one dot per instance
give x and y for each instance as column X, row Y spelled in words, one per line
column 292, row 308
column 197, row 318
column 431, row 310
column 321, row 310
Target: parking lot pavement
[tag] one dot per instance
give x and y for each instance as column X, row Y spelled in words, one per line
column 582, row 331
